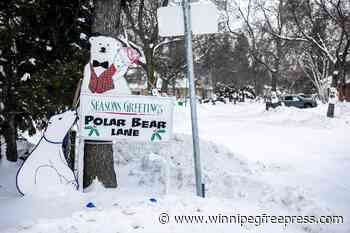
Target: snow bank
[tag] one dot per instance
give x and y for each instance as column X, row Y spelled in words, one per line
column 8, row 179
column 312, row 117
column 147, row 163
column 225, row 174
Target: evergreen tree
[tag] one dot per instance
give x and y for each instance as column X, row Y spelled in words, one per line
column 40, row 61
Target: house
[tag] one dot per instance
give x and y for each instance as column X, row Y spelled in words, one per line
column 344, row 88
column 344, row 91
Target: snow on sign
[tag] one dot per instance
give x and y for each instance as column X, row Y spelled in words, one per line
column 204, row 20
column 141, row 118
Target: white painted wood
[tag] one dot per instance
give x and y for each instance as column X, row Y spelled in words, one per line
column 46, row 169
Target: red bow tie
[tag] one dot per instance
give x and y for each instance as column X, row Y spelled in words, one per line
column 102, row 83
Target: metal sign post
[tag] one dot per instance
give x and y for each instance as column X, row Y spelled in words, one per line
column 204, row 21
column 193, row 99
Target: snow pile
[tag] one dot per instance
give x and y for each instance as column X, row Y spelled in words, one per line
column 8, row 180
column 313, row 117
column 225, row 174
column 148, row 163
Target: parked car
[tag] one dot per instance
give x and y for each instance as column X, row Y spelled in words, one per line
column 298, row 101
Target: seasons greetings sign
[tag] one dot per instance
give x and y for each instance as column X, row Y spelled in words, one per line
column 143, row 118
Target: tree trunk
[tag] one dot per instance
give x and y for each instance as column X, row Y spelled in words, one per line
column 274, row 81
column 277, row 65
column 174, row 87
column 107, row 17
column 98, row 158
column 150, row 69
column 331, row 106
column 330, row 110
column 10, row 134
column 322, row 92
column 165, row 85
column 98, row 163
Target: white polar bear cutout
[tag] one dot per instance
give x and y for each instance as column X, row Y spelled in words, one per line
column 46, row 169
column 109, row 61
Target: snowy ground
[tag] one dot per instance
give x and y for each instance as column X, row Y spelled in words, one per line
column 283, row 162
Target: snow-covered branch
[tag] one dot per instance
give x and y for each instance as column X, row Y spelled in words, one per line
column 316, row 69
column 164, row 42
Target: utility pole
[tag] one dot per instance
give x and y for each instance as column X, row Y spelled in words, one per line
column 193, row 99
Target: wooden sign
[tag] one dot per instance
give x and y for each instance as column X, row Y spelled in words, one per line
column 141, row 118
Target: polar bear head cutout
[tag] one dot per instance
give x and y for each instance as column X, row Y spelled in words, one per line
column 59, row 125
column 104, row 49
column 109, row 62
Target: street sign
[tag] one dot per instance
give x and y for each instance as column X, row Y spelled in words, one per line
column 135, row 118
column 171, row 20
